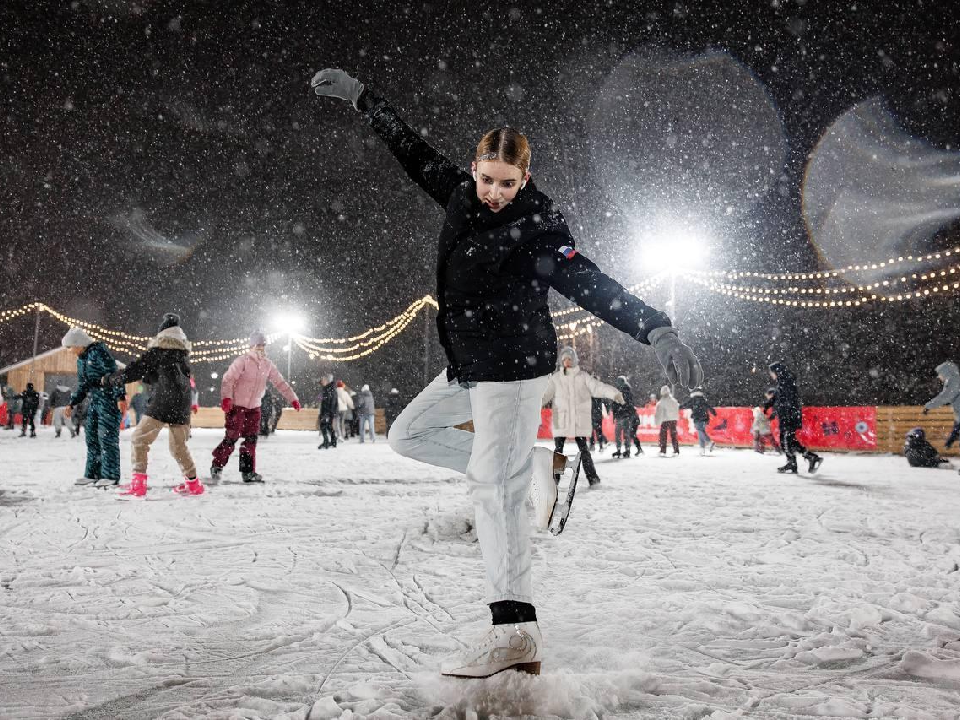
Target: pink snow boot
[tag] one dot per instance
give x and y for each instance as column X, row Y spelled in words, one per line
column 190, row 487
column 137, row 486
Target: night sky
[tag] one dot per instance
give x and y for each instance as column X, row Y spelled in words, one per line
column 168, row 156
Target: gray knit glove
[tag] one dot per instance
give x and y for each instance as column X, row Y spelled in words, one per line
column 677, row 359
column 334, row 82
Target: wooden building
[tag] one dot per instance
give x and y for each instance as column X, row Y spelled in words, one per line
column 46, row 371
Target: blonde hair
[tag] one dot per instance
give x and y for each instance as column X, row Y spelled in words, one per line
column 507, row 145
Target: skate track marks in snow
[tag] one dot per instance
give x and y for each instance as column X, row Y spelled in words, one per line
column 682, row 588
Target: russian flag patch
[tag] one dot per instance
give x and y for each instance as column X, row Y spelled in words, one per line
column 568, row 252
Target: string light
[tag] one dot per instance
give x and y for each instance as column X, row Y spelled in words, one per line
column 219, row 350
column 830, row 274
column 369, row 341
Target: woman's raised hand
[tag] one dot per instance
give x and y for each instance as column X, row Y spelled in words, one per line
column 334, row 82
column 677, row 359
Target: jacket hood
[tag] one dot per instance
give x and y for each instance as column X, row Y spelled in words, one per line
column 696, row 393
column 781, row 370
column 665, row 391
column 569, row 352
column 171, row 338
column 948, row 370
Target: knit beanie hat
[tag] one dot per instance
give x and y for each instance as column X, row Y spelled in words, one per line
column 365, row 388
column 76, row 337
column 258, row 338
column 169, row 320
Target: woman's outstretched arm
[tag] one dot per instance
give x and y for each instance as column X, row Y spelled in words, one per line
column 426, row 166
column 549, row 260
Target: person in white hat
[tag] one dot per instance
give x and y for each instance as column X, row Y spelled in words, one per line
column 107, row 407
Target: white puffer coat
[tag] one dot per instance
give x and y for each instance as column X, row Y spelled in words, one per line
column 571, row 389
column 667, row 408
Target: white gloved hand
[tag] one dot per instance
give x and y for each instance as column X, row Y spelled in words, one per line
column 333, row 82
column 677, row 359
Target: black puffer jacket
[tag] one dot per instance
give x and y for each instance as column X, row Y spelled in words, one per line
column 786, row 400
column 625, row 410
column 700, row 409
column 31, row 400
column 920, row 453
column 494, row 270
column 329, row 403
column 165, row 370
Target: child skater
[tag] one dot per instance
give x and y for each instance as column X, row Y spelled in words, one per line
column 165, row 369
column 105, row 409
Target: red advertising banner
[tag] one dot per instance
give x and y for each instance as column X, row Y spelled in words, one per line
column 838, row 428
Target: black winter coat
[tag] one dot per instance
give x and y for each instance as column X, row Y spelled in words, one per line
column 786, row 400
column 31, row 401
column 920, row 453
column 494, row 270
column 626, row 410
column 165, row 369
column 329, row 404
column 700, row 409
column 59, row 398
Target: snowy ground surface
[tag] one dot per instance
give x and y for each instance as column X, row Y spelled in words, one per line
column 682, row 588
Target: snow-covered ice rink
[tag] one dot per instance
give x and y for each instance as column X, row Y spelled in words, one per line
column 682, row 588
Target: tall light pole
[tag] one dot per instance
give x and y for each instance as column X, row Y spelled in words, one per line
column 289, row 353
column 289, row 324
column 36, row 338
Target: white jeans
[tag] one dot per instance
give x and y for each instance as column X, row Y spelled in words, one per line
column 497, row 459
column 59, row 419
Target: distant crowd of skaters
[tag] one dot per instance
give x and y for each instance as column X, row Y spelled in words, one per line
column 99, row 405
column 579, row 401
column 252, row 409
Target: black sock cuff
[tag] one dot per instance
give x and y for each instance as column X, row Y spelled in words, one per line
column 509, row 612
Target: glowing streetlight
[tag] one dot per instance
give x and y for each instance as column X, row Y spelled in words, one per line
column 289, row 324
column 671, row 245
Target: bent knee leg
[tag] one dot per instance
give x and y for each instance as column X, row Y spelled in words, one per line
column 400, row 438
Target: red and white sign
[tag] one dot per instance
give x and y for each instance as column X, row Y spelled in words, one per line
column 837, row 428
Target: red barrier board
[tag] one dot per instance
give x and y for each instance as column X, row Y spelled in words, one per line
column 839, row 428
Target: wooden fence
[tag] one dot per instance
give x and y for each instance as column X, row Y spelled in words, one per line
column 894, row 422
column 306, row 419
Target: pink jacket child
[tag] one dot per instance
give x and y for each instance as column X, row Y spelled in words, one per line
column 241, row 391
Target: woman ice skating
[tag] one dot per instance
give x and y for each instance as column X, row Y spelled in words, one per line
column 165, row 369
column 344, row 411
column 503, row 245
column 366, row 411
column 625, row 420
column 241, row 390
column 786, row 403
column 700, row 412
column 30, row 400
column 106, row 408
column 949, row 375
column 329, row 403
column 666, row 416
column 571, row 390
